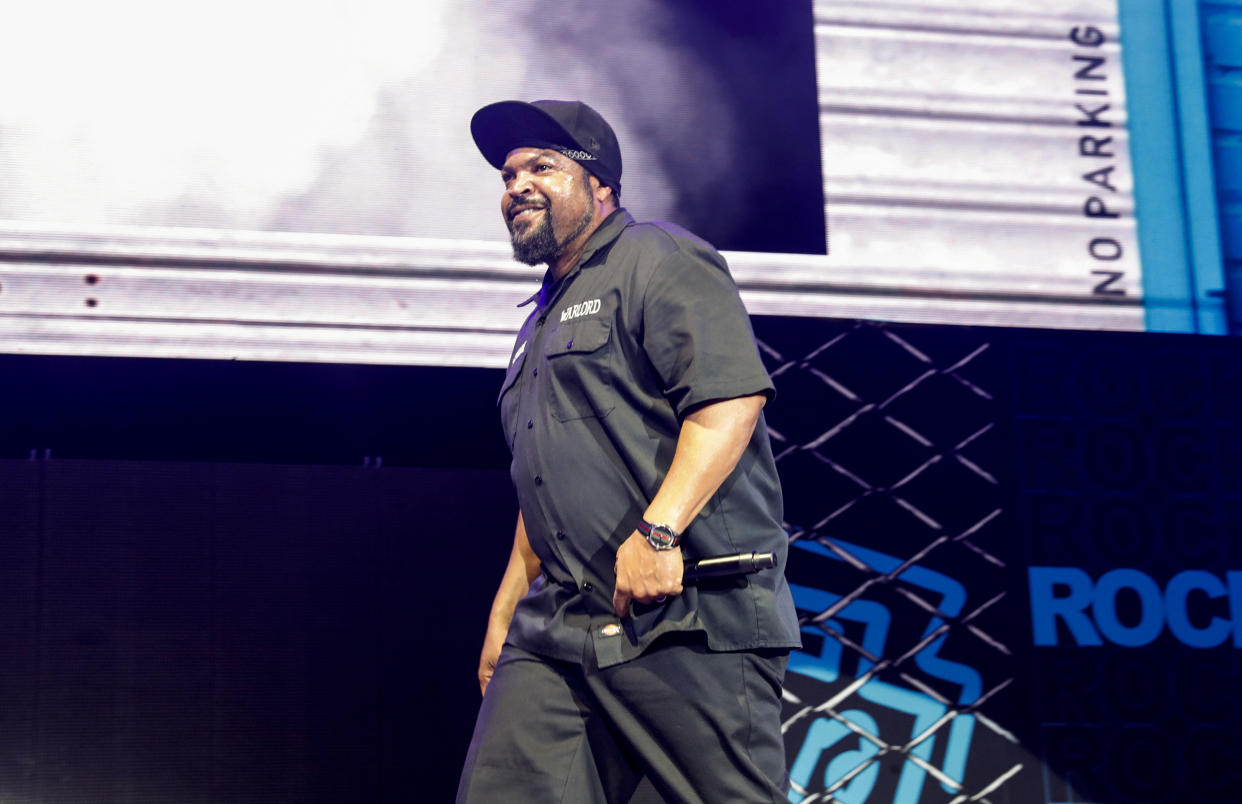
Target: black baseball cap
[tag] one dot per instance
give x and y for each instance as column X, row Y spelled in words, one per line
column 571, row 127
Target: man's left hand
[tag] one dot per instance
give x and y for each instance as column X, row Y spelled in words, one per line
column 645, row 574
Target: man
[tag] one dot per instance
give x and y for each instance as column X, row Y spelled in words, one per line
column 632, row 409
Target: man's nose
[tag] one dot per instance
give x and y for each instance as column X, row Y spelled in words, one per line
column 520, row 185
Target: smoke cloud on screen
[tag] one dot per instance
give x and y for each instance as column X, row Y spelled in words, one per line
column 415, row 170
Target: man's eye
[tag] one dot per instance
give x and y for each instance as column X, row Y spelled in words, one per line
column 543, row 168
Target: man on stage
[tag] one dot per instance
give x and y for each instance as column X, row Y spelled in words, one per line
column 632, row 407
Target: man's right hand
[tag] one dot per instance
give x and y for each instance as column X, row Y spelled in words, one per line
column 492, row 643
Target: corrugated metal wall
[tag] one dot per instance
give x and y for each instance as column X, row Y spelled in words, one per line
column 955, row 163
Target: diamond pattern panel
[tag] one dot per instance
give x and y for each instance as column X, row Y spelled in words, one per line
column 886, row 442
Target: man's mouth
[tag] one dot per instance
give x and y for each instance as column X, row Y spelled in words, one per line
column 521, row 212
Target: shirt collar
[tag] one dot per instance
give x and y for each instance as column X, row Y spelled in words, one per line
column 607, row 232
column 603, row 235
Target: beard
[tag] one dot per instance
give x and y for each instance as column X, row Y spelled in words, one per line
column 540, row 244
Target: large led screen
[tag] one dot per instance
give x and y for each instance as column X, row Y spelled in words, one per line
column 296, row 181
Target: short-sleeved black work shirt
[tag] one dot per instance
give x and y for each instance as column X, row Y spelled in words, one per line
column 645, row 328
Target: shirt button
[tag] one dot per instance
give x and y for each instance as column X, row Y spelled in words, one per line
column 587, row 587
column 530, row 424
column 560, row 534
column 535, row 371
column 538, row 480
column 570, row 345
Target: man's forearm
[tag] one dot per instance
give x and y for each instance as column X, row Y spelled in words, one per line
column 711, row 442
column 521, row 571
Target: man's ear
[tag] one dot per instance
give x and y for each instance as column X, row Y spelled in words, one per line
column 601, row 192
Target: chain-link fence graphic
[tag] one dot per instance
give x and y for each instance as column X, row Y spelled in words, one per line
column 884, row 440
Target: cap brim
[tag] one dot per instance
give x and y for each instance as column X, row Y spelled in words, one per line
column 500, row 127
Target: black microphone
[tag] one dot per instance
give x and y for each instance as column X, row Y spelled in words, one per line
column 722, row 566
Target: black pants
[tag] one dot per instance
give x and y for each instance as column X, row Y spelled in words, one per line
column 701, row 726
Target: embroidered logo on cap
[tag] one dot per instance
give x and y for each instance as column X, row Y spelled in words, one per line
column 577, row 155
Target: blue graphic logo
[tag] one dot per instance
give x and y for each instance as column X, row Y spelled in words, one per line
column 852, row 743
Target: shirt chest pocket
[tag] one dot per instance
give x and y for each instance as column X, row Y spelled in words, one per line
column 579, row 359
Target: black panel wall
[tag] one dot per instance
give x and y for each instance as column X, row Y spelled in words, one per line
column 268, row 582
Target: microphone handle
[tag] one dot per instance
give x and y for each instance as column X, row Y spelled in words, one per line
column 724, row 566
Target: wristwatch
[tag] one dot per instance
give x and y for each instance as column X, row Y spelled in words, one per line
column 661, row 537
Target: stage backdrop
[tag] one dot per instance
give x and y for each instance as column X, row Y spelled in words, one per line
column 1014, row 553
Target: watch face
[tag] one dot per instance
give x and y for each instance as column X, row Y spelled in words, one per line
column 661, row 536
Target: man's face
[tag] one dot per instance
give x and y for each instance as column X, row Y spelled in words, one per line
column 547, row 203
